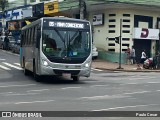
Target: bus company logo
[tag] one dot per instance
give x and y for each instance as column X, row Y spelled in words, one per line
column 6, row 114
column 51, row 23
column 144, row 33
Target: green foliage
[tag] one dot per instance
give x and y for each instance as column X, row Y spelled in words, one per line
column 3, row 4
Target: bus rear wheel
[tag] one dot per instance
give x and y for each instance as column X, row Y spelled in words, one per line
column 75, row 78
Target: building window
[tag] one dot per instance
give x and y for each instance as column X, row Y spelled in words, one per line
column 125, row 45
column 126, row 15
column 111, row 39
column 112, row 15
column 111, row 31
column 126, row 26
column 112, row 26
column 125, row 31
column 112, row 20
column 126, row 20
column 125, row 39
column 111, row 50
column 124, row 50
column 111, row 44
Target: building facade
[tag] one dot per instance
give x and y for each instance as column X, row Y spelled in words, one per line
column 136, row 23
column 109, row 25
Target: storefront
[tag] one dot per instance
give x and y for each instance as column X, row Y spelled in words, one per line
column 145, row 39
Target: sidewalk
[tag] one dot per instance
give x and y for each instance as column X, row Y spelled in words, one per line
column 105, row 65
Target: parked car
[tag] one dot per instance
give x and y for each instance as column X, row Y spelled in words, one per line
column 94, row 52
column 15, row 48
column 11, row 41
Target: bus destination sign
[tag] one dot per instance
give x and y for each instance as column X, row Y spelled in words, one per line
column 66, row 25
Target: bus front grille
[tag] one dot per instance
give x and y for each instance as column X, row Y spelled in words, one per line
column 72, row 72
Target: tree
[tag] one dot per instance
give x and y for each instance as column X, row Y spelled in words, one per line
column 3, row 4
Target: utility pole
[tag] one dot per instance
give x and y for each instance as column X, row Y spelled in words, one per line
column 120, row 44
column 158, row 63
column 82, row 9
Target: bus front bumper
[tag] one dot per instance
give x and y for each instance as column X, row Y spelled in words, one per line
column 59, row 71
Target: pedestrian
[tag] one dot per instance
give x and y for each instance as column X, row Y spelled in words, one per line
column 133, row 55
column 6, row 42
column 143, row 57
column 128, row 57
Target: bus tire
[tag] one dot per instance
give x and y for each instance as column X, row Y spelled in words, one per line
column 26, row 72
column 36, row 77
column 2, row 47
column 75, row 78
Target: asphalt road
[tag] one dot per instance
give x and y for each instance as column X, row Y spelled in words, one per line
column 103, row 91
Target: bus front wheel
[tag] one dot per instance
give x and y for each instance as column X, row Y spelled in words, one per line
column 36, row 77
column 26, row 72
column 75, row 78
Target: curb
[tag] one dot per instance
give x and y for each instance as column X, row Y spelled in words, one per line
column 128, row 70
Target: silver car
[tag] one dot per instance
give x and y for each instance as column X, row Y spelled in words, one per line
column 94, row 52
column 15, row 48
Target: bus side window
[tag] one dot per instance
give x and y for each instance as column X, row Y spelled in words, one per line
column 38, row 38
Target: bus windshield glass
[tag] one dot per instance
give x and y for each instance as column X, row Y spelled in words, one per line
column 66, row 43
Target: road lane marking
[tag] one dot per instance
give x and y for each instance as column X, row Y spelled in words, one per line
column 103, row 97
column 99, row 86
column 123, row 95
column 17, row 64
column 96, row 69
column 13, row 66
column 70, row 88
column 6, row 93
column 129, row 84
column 5, row 68
column 2, row 59
column 123, row 107
column 16, row 94
column 139, row 83
column 140, row 92
column 33, row 102
column 37, row 90
column 153, row 82
column 16, row 85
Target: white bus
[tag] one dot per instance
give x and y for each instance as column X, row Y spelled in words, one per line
column 57, row 46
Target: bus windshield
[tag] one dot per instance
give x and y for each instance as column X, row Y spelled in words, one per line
column 66, row 43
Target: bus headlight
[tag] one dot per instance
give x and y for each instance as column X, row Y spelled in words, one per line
column 45, row 63
column 87, row 65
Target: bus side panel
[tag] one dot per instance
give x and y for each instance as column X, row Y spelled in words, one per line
column 21, row 57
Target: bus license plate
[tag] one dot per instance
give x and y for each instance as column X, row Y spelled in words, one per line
column 67, row 75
